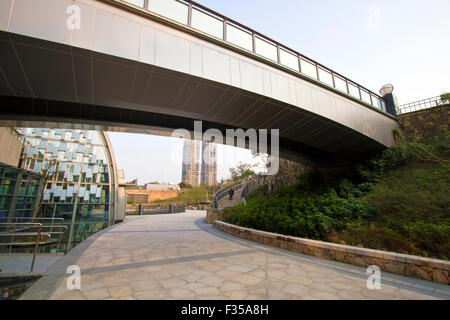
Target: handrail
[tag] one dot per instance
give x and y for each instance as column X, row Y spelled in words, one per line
column 363, row 94
column 222, row 193
column 15, row 231
column 36, row 218
column 422, row 104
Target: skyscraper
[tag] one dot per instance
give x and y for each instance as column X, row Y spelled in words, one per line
column 209, row 164
column 190, row 173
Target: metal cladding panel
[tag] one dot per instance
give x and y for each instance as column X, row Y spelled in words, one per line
column 280, row 87
column 43, row 19
column 216, row 66
column 196, row 60
column 116, row 36
column 147, row 45
column 172, row 52
column 251, row 77
column 84, row 37
column 5, row 10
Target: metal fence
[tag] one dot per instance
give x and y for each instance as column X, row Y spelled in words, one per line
column 218, row 26
column 223, row 192
column 31, row 234
column 422, row 104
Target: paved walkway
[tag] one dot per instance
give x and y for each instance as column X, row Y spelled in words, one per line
column 179, row 257
column 17, row 265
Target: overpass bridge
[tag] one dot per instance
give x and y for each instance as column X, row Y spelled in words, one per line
column 158, row 65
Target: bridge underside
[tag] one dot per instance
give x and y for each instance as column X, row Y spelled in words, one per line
column 44, row 82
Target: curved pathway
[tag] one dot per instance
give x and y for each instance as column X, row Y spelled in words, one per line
column 177, row 256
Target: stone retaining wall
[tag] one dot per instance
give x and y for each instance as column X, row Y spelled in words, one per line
column 408, row 265
column 429, row 123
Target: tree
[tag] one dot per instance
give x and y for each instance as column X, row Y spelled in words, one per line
column 184, row 185
column 242, row 171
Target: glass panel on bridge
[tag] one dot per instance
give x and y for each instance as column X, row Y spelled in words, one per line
column 308, row 68
column 207, row 23
column 353, row 90
column 340, row 83
column 171, row 9
column 239, row 37
column 266, row 49
column 139, row 3
column 288, row 59
column 325, row 77
column 365, row 96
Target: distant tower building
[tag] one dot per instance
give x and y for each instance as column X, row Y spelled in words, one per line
column 209, row 164
column 190, row 173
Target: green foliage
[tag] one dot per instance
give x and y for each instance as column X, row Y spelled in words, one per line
column 445, row 97
column 299, row 214
column 184, row 185
column 190, row 196
column 396, row 201
column 242, row 171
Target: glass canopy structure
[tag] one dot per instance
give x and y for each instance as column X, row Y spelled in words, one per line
column 79, row 178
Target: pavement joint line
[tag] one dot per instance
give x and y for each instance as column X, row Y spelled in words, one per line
column 166, row 261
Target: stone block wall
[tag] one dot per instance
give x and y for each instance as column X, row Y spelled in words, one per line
column 428, row 123
column 288, row 174
column 413, row 266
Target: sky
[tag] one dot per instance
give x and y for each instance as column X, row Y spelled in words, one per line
column 402, row 42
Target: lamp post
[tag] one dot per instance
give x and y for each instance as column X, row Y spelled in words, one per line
column 389, row 99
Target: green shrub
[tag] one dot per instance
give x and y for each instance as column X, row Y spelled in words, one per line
column 396, row 201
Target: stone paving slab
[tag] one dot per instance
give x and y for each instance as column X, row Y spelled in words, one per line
column 15, row 265
column 178, row 256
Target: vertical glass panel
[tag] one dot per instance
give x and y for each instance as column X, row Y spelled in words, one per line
column 139, row 3
column 376, row 102
column 266, row 49
column 288, row 59
column 340, row 84
column 354, row 91
column 308, row 68
column 171, row 9
column 207, row 23
column 325, row 77
column 95, row 139
column 239, row 37
column 365, row 96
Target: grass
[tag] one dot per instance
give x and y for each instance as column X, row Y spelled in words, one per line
column 187, row 197
column 413, row 203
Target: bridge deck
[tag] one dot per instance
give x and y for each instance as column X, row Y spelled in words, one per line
column 178, row 256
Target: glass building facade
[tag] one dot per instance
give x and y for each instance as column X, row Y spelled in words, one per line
column 20, row 192
column 79, row 178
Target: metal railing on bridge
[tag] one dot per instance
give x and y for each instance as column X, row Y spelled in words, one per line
column 423, row 104
column 245, row 186
column 212, row 23
column 223, row 192
column 31, row 234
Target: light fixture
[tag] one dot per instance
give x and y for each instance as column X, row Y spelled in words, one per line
column 386, row 89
